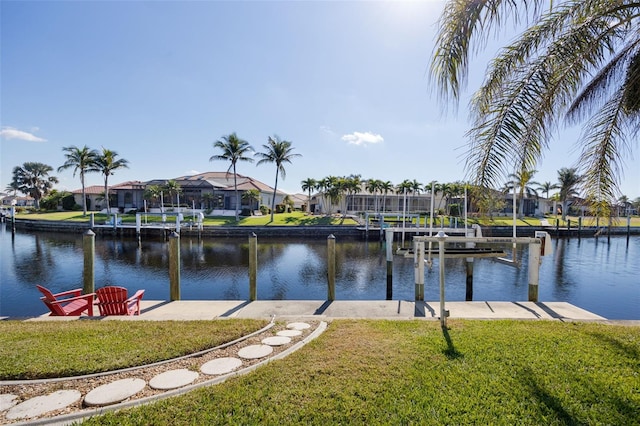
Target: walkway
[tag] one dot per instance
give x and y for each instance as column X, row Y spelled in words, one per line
column 373, row 309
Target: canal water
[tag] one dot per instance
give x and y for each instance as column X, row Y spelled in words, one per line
column 600, row 275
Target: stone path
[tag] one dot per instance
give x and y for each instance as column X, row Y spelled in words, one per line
column 57, row 406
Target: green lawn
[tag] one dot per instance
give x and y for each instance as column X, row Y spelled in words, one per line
column 410, row 372
column 30, row 350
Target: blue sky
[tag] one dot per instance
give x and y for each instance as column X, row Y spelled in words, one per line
column 159, row 82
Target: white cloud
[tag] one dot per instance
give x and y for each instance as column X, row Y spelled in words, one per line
column 11, row 133
column 358, row 138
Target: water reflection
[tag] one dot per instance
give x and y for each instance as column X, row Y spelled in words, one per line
column 591, row 273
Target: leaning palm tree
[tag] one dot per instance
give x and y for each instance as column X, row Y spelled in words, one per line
column 278, row 152
column 308, row 185
column 233, row 149
column 569, row 180
column 107, row 163
column 577, row 58
column 82, row 160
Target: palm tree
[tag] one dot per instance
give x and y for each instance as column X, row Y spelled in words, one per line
column 308, row 185
column 173, row 188
column 251, row 196
column 107, row 163
column 569, row 180
column 152, row 193
column 522, row 182
column 233, row 149
column 416, row 189
column 352, row 185
column 279, row 152
column 33, row 179
column 82, row 160
column 385, row 187
column 373, row 186
column 405, row 187
column 546, row 187
column 579, row 59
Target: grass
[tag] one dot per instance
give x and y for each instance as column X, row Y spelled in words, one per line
column 413, row 372
column 30, row 350
column 279, row 219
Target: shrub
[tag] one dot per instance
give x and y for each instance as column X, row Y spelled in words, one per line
column 265, row 210
column 68, row 202
column 245, row 212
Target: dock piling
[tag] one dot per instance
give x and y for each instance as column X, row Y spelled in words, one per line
column 174, row 266
column 253, row 266
column 89, row 249
column 389, row 247
column 418, row 267
column 331, row 268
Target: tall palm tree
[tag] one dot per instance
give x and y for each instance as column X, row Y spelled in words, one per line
column 308, row 185
column 33, row 179
column 522, row 182
column 576, row 58
column 107, row 162
column 416, row 189
column 82, row 160
column 405, row 187
column 279, row 152
column 385, row 187
column 233, row 149
column 568, row 179
column 373, row 186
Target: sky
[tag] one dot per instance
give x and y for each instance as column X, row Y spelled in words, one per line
column 160, row 81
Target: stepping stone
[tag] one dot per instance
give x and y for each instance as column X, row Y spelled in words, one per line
column 220, row 366
column 298, row 326
column 289, row 333
column 255, row 351
column 43, row 404
column 114, row 392
column 276, row 340
column 7, row 401
column 173, row 379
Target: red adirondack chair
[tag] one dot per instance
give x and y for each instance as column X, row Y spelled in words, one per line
column 112, row 300
column 67, row 306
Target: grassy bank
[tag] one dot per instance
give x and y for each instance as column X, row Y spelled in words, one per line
column 280, row 219
column 411, row 372
column 30, row 350
column 301, row 219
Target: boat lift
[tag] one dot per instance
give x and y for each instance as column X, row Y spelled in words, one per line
column 538, row 246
